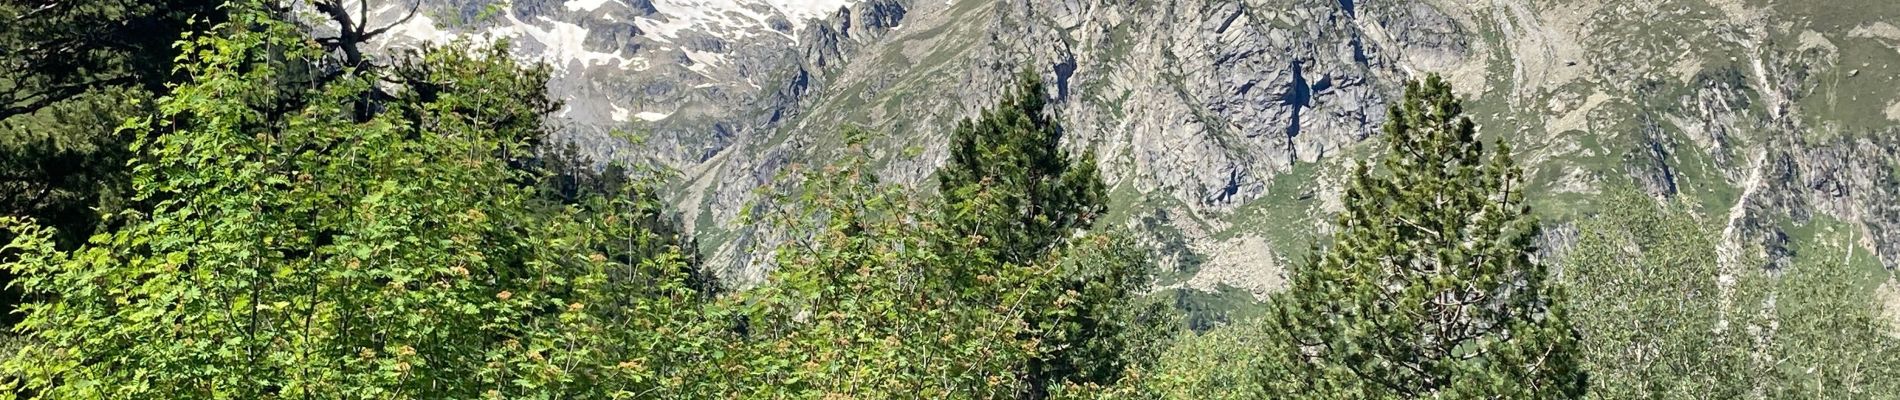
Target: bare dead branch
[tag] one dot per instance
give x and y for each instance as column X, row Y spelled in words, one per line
column 413, row 8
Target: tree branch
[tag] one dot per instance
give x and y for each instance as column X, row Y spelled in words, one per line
column 405, row 19
column 349, row 35
column 29, row 14
column 54, row 95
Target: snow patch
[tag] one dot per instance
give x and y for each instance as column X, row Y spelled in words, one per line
column 704, row 57
column 732, row 18
column 562, row 44
column 718, row 17
column 625, row 115
column 583, row 5
column 800, row 10
column 662, row 30
column 420, row 28
column 703, row 62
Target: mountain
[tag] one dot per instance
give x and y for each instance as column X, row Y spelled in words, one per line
column 1225, row 128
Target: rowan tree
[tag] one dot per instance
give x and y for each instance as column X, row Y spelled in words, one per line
column 296, row 246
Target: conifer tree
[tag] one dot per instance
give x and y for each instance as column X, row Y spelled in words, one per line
column 1009, row 182
column 1012, row 197
column 55, row 51
column 70, row 72
column 1428, row 289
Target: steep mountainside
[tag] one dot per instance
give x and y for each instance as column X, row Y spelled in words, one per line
column 1224, row 128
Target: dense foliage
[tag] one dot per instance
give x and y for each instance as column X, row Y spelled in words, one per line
column 295, row 249
column 313, row 230
column 1662, row 320
column 885, row 294
column 1649, row 303
column 70, row 73
column 288, row 216
column 1824, row 333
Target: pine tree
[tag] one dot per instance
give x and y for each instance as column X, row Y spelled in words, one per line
column 1428, row 289
column 1010, row 187
column 70, row 72
column 55, row 51
column 1012, row 197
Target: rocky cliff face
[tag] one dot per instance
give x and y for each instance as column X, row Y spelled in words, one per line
column 1225, row 127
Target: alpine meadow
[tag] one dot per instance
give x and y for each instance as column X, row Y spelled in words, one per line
column 961, row 199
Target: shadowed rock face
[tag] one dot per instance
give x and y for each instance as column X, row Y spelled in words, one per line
column 1240, row 118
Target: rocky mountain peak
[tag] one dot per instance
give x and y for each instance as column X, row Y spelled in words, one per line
column 1226, row 127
